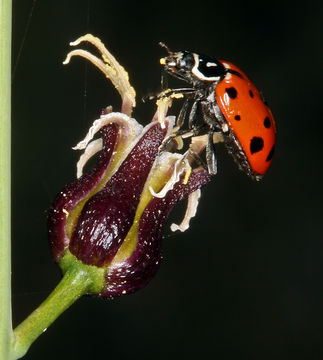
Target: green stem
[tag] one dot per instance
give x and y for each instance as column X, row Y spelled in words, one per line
column 5, row 169
column 78, row 280
column 73, row 285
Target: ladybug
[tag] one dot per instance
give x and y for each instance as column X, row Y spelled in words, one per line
column 230, row 104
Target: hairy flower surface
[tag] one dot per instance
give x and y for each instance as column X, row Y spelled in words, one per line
column 112, row 216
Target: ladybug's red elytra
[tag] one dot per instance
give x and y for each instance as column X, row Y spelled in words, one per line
column 231, row 104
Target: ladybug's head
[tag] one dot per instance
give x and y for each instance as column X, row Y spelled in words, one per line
column 198, row 70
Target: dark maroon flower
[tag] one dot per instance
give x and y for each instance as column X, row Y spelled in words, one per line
column 112, row 217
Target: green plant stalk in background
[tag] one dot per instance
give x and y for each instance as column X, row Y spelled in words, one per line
column 5, row 181
column 77, row 279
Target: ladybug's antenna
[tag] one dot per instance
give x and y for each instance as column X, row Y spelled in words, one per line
column 163, row 45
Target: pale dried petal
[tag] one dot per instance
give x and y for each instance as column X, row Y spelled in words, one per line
column 130, row 125
column 92, row 148
column 191, row 209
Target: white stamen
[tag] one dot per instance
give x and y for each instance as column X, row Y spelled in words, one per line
column 191, row 209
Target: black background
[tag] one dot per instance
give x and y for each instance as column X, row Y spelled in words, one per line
column 243, row 282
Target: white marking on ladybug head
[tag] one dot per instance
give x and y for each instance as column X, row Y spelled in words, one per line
column 197, row 72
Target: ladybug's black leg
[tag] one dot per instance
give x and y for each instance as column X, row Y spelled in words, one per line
column 164, row 80
column 221, row 122
column 211, row 154
column 167, row 143
column 187, row 92
column 196, row 157
column 182, row 114
column 192, row 117
column 181, row 91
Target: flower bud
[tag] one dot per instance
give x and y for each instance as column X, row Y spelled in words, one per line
column 112, row 217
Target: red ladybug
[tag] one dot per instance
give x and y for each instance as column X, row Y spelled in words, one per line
column 231, row 104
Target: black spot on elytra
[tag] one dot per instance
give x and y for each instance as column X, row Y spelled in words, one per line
column 267, row 122
column 237, row 117
column 256, row 144
column 251, row 93
column 271, row 153
column 232, row 92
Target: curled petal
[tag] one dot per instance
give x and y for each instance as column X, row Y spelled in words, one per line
column 68, row 203
column 130, row 128
column 119, row 135
column 107, row 217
